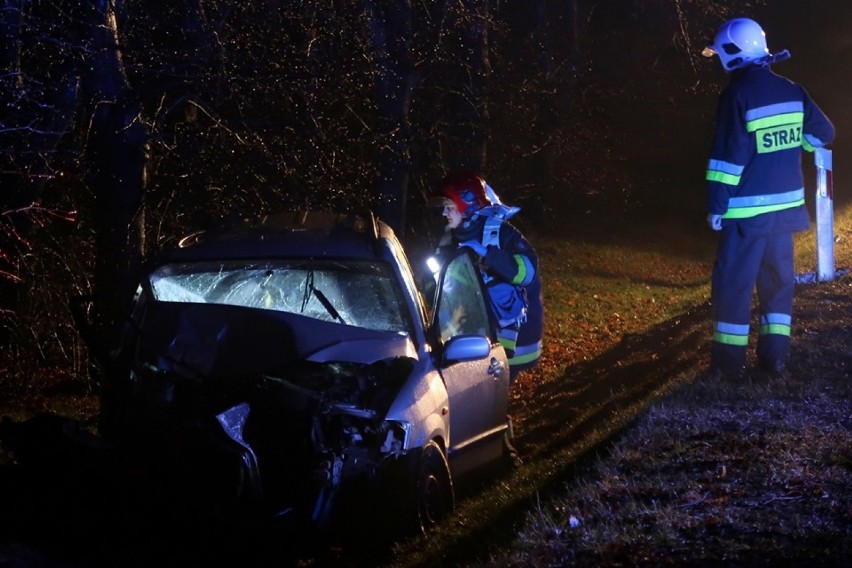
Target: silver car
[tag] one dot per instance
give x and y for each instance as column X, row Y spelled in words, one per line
column 293, row 363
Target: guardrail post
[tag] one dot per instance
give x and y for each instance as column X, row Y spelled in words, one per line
column 824, row 215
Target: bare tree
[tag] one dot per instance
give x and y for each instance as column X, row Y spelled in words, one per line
column 469, row 83
column 39, row 88
column 116, row 153
column 556, row 37
column 390, row 22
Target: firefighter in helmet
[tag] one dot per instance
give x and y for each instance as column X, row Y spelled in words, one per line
column 478, row 220
column 756, row 196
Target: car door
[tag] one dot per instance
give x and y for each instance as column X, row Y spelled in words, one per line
column 477, row 389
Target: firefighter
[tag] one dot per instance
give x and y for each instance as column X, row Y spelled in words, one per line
column 478, row 220
column 756, row 196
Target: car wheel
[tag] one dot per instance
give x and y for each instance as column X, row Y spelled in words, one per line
column 434, row 498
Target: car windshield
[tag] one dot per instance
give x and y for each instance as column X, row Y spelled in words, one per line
column 358, row 293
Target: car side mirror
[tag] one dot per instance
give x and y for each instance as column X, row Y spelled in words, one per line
column 467, row 348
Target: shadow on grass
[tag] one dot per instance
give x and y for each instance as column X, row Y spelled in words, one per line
column 752, row 470
column 567, row 422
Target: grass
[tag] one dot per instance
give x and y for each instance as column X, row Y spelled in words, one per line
column 632, row 457
column 737, row 474
column 600, row 286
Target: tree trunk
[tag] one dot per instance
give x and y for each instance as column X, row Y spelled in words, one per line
column 572, row 33
column 116, row 153
column 550, row 22
column 470, row 115
column 390, row 22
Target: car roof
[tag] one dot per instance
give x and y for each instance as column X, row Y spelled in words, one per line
column 298, row 234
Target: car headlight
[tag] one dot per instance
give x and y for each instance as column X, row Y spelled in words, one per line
column 396, row 437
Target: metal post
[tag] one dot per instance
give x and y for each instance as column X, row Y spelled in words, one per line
column 824, row 215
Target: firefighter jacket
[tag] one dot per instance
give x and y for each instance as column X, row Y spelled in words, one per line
column 763, row 123
column 510, row 259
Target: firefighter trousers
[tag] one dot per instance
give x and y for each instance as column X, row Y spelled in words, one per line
column 744, row 261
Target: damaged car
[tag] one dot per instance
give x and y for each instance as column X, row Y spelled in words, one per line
column 292, row 363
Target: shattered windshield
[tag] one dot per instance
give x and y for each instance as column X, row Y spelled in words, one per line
column 358, row 293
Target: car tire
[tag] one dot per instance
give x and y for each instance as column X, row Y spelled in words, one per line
column 433, row 498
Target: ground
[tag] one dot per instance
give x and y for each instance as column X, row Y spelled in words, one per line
column 631, row 456
column 728, row 459
column 683, row 469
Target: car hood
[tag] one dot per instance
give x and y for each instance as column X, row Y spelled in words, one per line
column 219, row 340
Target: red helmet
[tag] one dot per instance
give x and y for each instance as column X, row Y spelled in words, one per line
column 467, row 190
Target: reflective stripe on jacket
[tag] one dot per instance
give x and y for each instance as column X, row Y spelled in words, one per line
column 763, row 123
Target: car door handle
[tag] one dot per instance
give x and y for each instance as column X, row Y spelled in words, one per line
column 495, row 369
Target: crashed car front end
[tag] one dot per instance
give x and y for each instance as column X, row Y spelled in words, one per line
column 298, row 439
column 289, row 404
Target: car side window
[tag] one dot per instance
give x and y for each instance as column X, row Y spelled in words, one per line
column 461, row 303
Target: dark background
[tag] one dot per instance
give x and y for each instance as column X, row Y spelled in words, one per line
column 590, row 115
column 124, row 126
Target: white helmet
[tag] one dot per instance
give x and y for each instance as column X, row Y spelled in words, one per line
column 739, row 42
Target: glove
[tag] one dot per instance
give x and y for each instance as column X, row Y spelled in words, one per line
column 715, row 221
column 475, row 246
